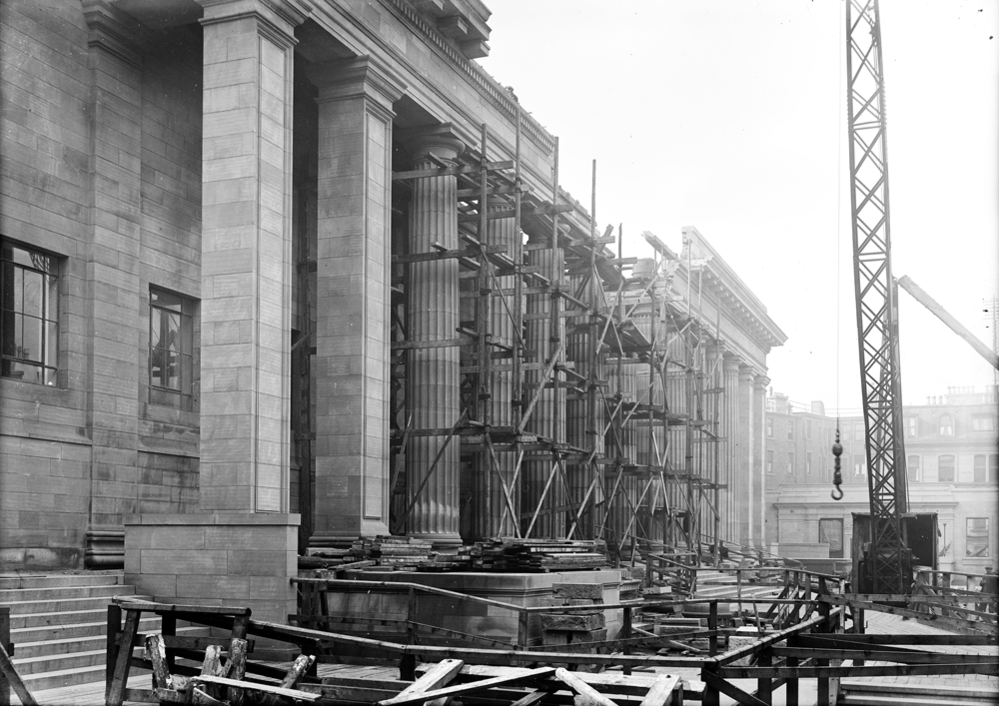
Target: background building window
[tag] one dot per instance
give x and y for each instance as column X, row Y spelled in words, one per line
column 171, row 348
column 980, row 470
column 946, row 425
column 993, row 476
column 859, row 465
column 912, row 426
column 29, row 314
column 808, row 463
column 831, row 533
column 912, row 469
column 808, row 428
column 946, row 469
column 790, row 429
column 790, row 463
column 858, row 431
column 770, row 427
column 770, row 462
column 983, row 422
column 977, row 539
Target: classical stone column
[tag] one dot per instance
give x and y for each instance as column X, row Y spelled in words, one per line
column 352, row 274
column 491, row 517
column 432, row 374
column 744, row 458
column 731, row 447
column 114, row 264
column 760, row 383
column 548, row 417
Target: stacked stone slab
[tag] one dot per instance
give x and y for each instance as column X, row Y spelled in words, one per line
column 566, row 628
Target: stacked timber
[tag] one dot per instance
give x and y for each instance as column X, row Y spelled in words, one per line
column 397, row 553
column 535, row 555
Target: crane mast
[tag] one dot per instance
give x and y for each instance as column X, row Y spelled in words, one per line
column 876, row 297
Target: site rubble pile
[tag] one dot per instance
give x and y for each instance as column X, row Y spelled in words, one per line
column 566, row 628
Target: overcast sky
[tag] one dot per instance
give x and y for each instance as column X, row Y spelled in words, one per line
column 730, row 115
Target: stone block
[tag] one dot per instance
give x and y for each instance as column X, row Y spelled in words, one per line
column 591, row 591
column 572, row 621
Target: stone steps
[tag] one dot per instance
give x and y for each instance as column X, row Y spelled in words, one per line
column 59, row 625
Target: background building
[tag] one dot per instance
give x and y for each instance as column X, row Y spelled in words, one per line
column 952, row 465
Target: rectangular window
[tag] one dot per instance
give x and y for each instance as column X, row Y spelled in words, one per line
column 29, row 314
column 790, row 429
column 831, row 533
column 770, row 462
column 770, row 427
column 946, row 468
column 977, row 538
column 859, row 465
column 980, row 469
column 946, row 425
column 808, row 463
column 983, row 422
column 993, row 468
column 912, row 469
column 912, row 426
column 171, row 349
column 858, row 431
column 790, row 463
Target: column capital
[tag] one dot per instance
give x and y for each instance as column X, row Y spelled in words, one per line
column 760, row 381
column 113, row 31
column 282, row 16
column 360, row 77
column 441, row 141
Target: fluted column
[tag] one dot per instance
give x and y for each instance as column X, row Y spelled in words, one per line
column 548, row 417
column 731, row 445
column 432, row 374
column 352, row 281
column 760, row 383
column 744, row 458
column 491, row 517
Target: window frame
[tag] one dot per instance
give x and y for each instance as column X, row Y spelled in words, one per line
column 916, row 477
column 183, row 307
column 953, row 468
column 945, row 429
column 46, row 315
column 985, row 535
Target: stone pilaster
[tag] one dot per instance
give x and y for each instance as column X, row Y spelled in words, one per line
column 113, row 266
column 432, row 374
column 246, row 255
column 352, row 274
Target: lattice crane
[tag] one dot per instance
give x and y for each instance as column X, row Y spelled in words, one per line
column 888, row 562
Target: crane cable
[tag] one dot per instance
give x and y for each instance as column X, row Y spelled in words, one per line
column 837, row 448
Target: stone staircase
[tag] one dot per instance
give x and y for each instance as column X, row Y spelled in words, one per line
column 724, row 586
column 875, row 693
column 58, row 625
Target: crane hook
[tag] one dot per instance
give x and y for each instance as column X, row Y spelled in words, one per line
column 837, row 450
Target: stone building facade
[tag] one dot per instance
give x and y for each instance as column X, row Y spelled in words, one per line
column 209, row 242
column 952, row 467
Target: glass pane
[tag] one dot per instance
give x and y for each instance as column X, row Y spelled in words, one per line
column 51, row 343
column 154, row 327
column 31, row 342
column 172, row 332
column 165, row 300
column 32, row 303
column 25, row 372
column 52, row 298
column 18, row 289
column 50, row 376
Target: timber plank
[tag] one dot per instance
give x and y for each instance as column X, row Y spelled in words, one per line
column 540, row 672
